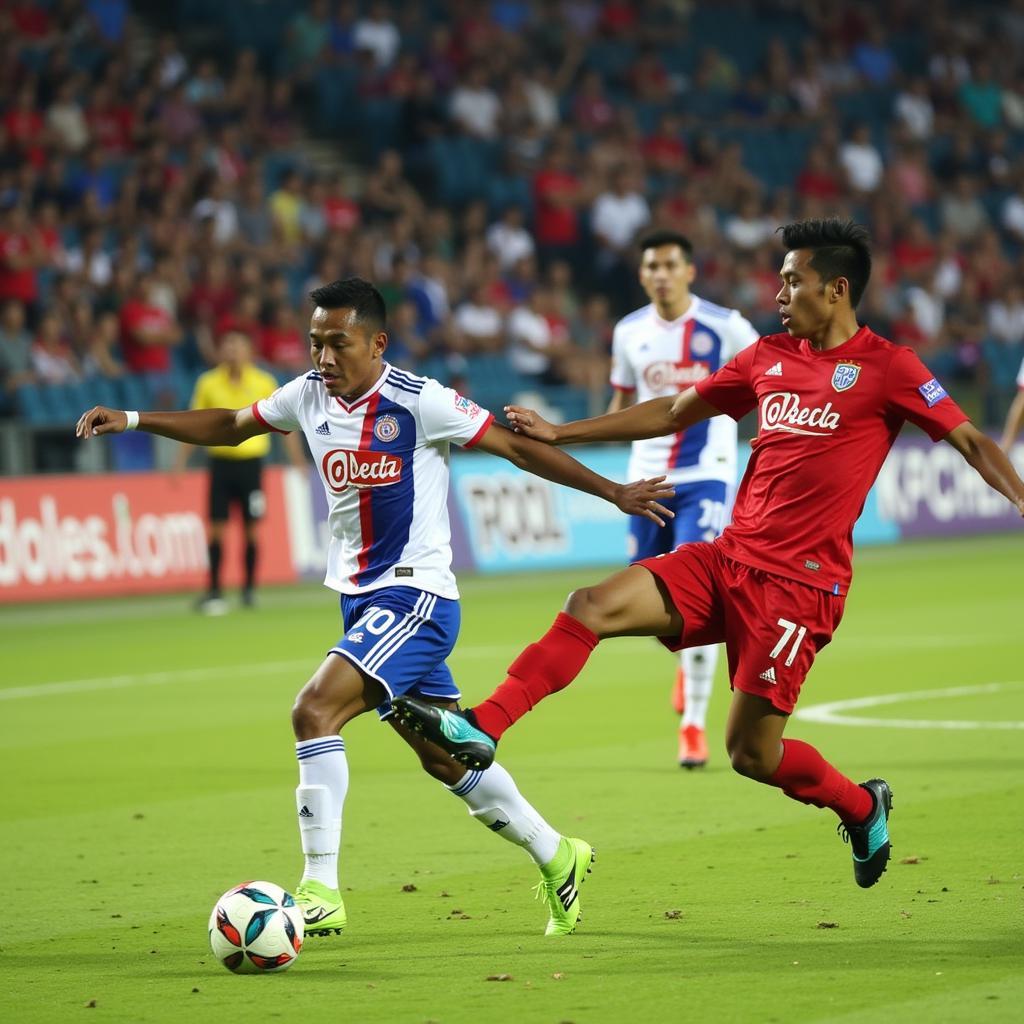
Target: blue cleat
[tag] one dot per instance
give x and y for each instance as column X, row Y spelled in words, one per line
column 870, row 840
column 450, row 730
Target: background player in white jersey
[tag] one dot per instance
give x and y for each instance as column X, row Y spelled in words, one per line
column 1014, row 415
column 663, row 349
column 380, row 438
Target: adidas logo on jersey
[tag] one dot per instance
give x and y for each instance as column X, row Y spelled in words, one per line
column 775, row 371
column 305, row 812
column 768, row 675
column 323, row 430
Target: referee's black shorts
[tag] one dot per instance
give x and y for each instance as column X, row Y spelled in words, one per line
column 236, row 481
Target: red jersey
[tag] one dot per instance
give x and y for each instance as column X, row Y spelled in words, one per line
column 555, row 224
column 827, row 422
column 139, row 316
column 21, row 284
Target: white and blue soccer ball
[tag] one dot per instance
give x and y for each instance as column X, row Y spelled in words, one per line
column 255, row 928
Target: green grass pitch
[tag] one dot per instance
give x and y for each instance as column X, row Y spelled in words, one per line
column 147, row 765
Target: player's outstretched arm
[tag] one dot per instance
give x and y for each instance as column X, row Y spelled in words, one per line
column 640, row 498
column 1014, row 419
column 990, row 461
column 196, row 426
column 655, row 418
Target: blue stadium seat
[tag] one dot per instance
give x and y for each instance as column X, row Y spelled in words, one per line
column 572, row 403
column 335, row 89
column 33, row 405
column 100, row 391
column 70, row 400
column 378, row 118
column 610, row 58
column 134, row 392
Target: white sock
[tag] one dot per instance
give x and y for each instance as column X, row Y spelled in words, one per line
column 319, row 799
column 699, row 669
column 493, row 799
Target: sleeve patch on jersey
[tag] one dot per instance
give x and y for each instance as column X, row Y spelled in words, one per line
column 932, row 391
column 466, row 405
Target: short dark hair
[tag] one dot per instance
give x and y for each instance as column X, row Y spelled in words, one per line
column 356, row 294
column 841, row 249
column 655, row 239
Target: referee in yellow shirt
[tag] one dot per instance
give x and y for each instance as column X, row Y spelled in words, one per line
column 235, row 472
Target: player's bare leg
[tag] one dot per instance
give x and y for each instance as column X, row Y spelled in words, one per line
column 335, row 694
column 493, row 799
column 632, row 602
column 754, row 740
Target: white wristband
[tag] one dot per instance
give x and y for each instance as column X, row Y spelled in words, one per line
column 133, row 419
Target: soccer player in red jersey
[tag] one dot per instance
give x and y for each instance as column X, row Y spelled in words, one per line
column 831, row 397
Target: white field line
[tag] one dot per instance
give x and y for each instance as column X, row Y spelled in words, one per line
column 833, row 713
column 261, row 668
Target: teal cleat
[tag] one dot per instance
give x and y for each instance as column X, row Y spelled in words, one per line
column 322, row 909
column 560, row 885
column 870, row 840
column 450, row 730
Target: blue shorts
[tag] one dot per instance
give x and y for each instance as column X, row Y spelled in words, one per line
column 700, row 510
column 401, row 636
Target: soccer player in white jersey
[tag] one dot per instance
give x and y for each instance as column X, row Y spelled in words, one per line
column 663, row 349
column 380, row 438
column 1014, row 415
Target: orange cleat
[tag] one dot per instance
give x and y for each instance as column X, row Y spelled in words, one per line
column 693, row 747
column 679, row 692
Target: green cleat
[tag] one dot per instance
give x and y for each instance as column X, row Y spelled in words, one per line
column 870, row 840
column 322, row 909
column 560, row 884
column 450, row 730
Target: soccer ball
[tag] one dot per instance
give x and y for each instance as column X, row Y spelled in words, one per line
column 256, row 927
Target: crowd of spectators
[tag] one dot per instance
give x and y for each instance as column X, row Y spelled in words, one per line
column 494, row 163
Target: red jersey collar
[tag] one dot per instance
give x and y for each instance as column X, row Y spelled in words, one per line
column 851, row 342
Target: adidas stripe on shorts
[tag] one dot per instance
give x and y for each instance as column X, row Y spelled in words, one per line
column 401, row 637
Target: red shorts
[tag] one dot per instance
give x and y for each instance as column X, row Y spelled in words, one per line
column 772, row 627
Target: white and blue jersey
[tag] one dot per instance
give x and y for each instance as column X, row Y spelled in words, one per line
column 655, row 358
column 383, row 460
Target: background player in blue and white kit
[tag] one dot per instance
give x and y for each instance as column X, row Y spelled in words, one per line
column 380, row 438
column 662, row 349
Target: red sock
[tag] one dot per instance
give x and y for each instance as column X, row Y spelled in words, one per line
column 545, row 667
column 804, row 775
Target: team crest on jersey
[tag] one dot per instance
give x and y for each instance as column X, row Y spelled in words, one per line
column 845, row 375
column 385, row 428
column 701, row 343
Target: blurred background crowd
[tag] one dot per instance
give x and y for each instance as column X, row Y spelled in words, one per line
column 169, row 170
